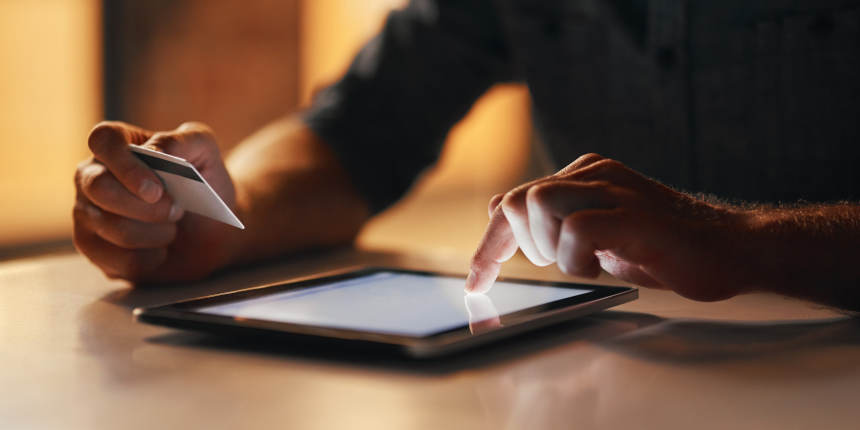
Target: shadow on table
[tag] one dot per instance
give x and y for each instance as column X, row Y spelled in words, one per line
column 700, row 341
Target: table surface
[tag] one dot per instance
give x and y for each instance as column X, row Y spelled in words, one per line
column 73, row 358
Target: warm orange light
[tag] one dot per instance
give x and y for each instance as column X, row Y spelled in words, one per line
column 51, row 96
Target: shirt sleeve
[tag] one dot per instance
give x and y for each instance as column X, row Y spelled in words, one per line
column 387, row 117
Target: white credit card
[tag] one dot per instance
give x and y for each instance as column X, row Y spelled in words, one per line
column 186, row 185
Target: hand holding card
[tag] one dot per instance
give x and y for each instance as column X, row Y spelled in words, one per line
column 186, row 185
column 130, row 199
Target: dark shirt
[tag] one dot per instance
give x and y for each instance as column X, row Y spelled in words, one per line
column 748, row 100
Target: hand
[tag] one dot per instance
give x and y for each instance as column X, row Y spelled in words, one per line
column 126, row 223
column 597, row 213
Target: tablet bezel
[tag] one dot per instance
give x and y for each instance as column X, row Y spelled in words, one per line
column 182, row 314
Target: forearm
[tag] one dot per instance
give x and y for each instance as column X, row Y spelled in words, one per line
column 810, row 252
column 292, row 194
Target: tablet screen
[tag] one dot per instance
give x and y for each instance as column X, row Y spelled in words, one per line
column 392, row 303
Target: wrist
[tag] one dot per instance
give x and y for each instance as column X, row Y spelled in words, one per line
column 783, row 258
column 754, row 248
column 738, row 245
column 805, row 252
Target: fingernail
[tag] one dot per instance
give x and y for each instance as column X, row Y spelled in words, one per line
column 150, row 191
column 175, row 214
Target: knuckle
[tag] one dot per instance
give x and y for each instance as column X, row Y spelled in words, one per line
column 189, row 133
column 581, row 162
column 124, row 237
column 197, row 128
column 538, row 194
column 608, row 164
column 78, row 239
column 80, row 168
column 591, row 156
column 494, row 203
column 79, row 215
column 576, row 222
column 98, row 185
column 513, row 203
column 198, row 133
column 584, row 159
column 104, row 135
column 78, row 178
column 598, row 185
column 92, row 178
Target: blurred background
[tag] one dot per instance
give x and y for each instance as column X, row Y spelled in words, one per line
column 67, row 64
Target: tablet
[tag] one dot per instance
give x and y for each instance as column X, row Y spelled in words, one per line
column 421, row 314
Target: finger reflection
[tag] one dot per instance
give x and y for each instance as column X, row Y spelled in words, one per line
column 483, row 315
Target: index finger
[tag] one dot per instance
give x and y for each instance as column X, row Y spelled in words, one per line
column 109, row 143
column 497, row 246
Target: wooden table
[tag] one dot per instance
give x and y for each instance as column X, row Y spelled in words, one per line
column 73, row 358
